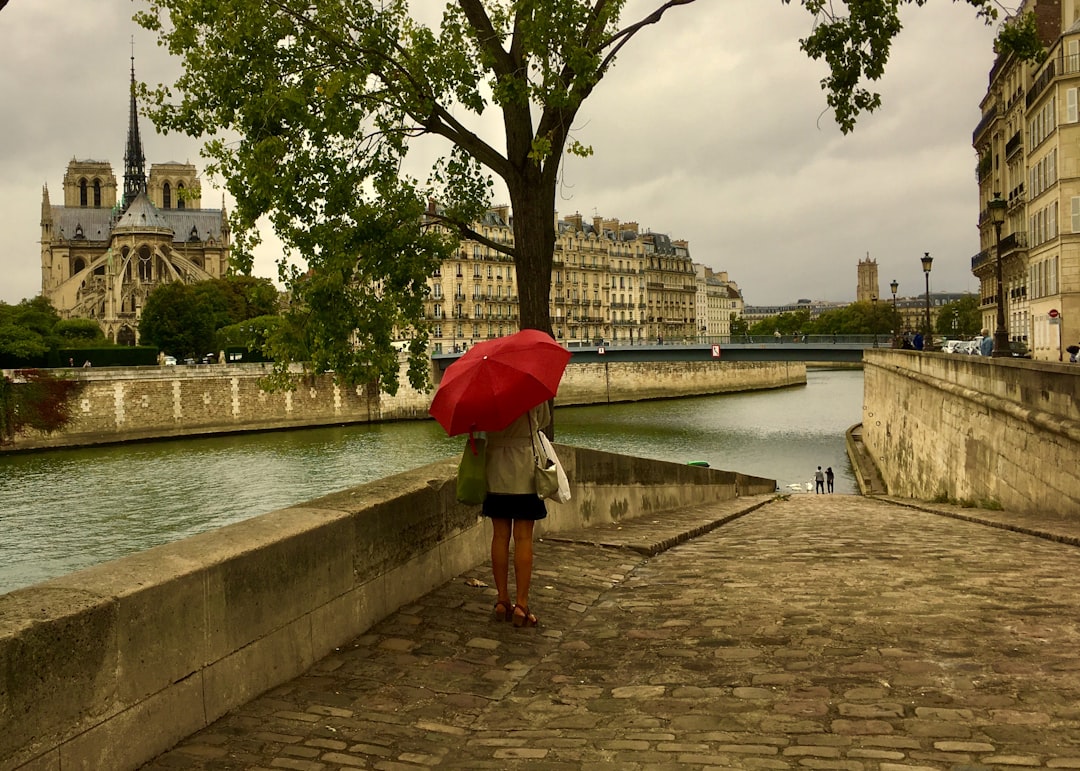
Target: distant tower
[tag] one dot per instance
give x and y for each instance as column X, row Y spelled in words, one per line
column 868, row 280
column 134, row 160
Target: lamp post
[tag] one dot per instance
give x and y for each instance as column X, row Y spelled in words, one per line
column 1001, row 333
column 894, row 285
column 927, row 262
column 873, row 316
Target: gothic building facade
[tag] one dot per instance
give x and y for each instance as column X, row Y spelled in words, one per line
column 102, row 255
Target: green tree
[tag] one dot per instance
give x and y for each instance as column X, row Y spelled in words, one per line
column 326, row 96
column 183, row 319
column 860, row 318
column 175, row 320
column 739, row 325
column 959, row 318
column 253, row 334
column 26, row 329
column 75, row 333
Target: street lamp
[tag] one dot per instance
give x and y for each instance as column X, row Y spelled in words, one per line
column 873, row 316
column 894, row 285
column 927, row 262
column 1001, row 334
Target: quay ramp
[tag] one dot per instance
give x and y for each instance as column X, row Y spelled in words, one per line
column 810, row 631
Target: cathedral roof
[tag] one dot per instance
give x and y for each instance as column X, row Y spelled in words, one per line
column 143, row 216
column 183, row 225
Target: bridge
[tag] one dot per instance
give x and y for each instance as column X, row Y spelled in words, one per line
column 806, row 348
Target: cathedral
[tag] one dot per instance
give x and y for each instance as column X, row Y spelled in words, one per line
column 101, row 257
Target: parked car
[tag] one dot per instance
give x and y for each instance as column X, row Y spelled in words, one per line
column 168, row 361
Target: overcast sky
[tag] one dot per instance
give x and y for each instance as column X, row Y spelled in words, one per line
column 710, row 128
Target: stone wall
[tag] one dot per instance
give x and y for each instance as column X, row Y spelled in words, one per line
column 622, row 381
column 159, row 402
column 974, row 429
column 108, row 667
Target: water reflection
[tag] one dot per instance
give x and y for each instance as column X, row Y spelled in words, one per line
column 66, row 509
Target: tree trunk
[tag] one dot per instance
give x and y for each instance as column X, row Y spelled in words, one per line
column 533, row 207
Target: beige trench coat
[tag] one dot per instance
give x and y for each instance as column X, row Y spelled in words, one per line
column 510, row 453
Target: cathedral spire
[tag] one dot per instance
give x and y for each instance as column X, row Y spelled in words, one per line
column 134, row 160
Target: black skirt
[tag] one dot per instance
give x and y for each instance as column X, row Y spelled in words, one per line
column 514, row 506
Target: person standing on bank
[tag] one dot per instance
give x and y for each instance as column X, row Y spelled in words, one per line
column 819, row 481
column 986, row 344
column 504, row 387
column 514, row 507
column 829, row 478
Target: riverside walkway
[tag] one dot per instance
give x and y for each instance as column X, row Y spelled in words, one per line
column 816, row 632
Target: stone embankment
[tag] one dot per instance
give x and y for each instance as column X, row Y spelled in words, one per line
column 105, row 668
column 133, row 404
column 988, row 432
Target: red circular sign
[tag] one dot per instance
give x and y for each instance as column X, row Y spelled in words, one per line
column 1053, row 313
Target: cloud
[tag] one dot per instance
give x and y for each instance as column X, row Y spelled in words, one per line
column 711, row 127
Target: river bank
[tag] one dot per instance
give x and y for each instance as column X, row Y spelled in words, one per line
column 119, row 405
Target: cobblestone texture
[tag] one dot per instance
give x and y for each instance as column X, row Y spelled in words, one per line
column 817, row 632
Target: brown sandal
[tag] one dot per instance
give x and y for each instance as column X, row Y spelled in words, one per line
column 503, row 610
column 526, row 619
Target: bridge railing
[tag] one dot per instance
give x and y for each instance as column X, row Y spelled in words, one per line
column 882, row 341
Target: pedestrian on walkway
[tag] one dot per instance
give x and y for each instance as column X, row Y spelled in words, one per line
column 829, row 478
column 513, row 507
column 986, row 343
column 819, row 481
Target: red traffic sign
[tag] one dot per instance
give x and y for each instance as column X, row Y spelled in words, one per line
column 1053, row 313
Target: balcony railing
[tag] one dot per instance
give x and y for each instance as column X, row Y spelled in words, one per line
column 1014, row 242
column 987, row 119
column 1014, row 144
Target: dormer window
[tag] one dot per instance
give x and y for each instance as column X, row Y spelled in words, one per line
column 194, row 234
column 79, row 232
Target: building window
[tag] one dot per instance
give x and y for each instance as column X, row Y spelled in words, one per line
column 179, row 195
column 82, row 192
column 166, row 196
column 97, row 193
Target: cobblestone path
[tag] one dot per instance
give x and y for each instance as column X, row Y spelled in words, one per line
column 818, row 632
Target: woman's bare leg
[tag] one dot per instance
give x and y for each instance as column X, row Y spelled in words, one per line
column 500, row 557
column 523, row 559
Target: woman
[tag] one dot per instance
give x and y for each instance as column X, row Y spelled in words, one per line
column 513, row 507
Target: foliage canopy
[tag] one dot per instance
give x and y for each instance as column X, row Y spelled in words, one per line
column 183, row 319
column 314, row 105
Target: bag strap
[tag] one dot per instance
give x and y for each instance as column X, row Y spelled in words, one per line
column 532, row 435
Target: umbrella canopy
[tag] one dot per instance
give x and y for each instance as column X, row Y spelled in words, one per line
column 497, row 381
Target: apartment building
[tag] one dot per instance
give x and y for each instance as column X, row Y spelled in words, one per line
column 610, row 283
column 1028, row 146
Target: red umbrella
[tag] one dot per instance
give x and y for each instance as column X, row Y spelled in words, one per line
column 497, row 381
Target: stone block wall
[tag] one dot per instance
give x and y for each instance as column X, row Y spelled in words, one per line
column 159, row 402
column 969, row 428
column 625, row 381
column 110, row 666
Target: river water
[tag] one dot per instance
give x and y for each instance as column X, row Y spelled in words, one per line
column 63, row 510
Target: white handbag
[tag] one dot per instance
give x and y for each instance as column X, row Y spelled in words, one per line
column 562, row 493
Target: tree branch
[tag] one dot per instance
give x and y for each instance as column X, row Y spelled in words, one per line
column 623, row 36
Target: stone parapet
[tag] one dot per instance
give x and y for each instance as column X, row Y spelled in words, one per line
column 131, row 404
column 110, row 666
column 986, row 431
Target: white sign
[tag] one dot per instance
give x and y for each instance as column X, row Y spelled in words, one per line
column 716, row 351
column 600, row 350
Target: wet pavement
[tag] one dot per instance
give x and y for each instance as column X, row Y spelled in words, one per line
column 813, row 632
